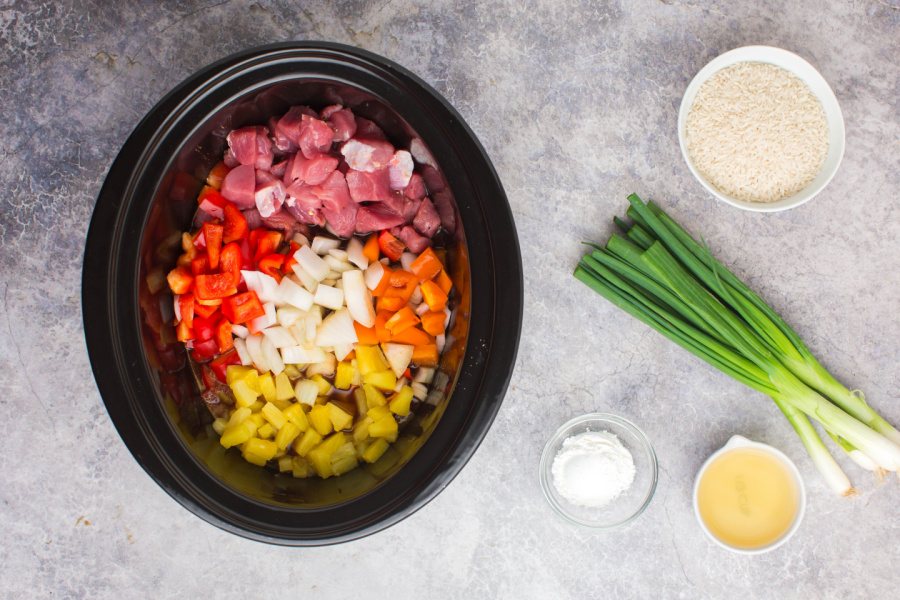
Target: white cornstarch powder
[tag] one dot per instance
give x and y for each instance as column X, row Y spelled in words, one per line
column 757, row 132
column 592, row 468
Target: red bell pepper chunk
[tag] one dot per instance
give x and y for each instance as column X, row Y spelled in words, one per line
column 240, row 308
column 186, row 310
column 268, row 243
column 205, row 310
column 230, row 261
column 204, row 350
column 200, row 266
column 213, row 233
column 246, row 255
column 223, row 336
column 235, row 224
column 271, row 265
column 212, row 202
column 205, row 327
column 216, row 175
column 220, row 365
column 214, row 285
column 180, row 280
column 390, row 246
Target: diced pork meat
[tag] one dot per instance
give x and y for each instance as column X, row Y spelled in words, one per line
column 288, row 128
column 282, row 144
column 201, row 217
column 279, row 169
column 251, row 146
column 433, row 181
column 375, row 218
column 415, row 242
column 300, row 194
column 281, row 219
column 289, row 169
column 313, row 170
column 326, row 112
column 239, row 186
column 344, row 221
column 400, row 168
column 306, row 215
column 444, row 204
column 229, row 159
column 254, row 220
column 411, row 209
column 315, row 136
column 366, row 129
column 367, row 155
column 427, row 220
column 334, row 193
column 366, row 187
column 343, row 123
column 416, row 188
column 270, row 193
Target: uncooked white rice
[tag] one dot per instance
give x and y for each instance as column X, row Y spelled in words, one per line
column 757, row 132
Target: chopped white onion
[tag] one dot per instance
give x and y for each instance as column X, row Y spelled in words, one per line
column 176, row 304
column 420, row 391
column 312, row 263
column 300, row 239
column 267, row 320
column 439, row 341
column 338, row 266
column 240, row 331
column 337, row 328
column 355, row 253
column 417, row 295
column 304, row 278
column 240, row 347
column 265, row 286
column 272, row 356
column 358, row 298
column 406, row 259
column 329, row 297
column 279, row 336
column 324, row 367
column 422, row 309
column 293, row 294
column 398, row 356
column 342, row 350
column 300, row 355
column 166, row 304
column 321, row 244
column 254, row 347
column 339, row 254
column 317, row 312
column 447, row 318
column 288, row 315
column 374, row 274
column 424, row 375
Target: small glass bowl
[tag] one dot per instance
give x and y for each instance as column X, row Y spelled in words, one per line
column 631, row 503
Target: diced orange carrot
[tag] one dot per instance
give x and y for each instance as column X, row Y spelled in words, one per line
column 389, row 304
column 433, row 322
column 366, row 335
column 427, row 265
column 402, row 319
column 412, row 336
column 371, row 250
column 350, row 356
column 434, row 296
column 425, row 355
column 444, row 282
column 381, row 332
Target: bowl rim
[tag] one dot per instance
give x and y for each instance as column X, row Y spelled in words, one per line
column 110, row 291
column 547, row 461
column 809, row 75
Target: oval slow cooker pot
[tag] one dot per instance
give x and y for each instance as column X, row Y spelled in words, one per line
column 149, row 196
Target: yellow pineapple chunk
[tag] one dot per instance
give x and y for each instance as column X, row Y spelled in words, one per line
column 257, row 418
column 375, row 450
column 238, row 416
column 310, row 440
column 284, row 391
column 292, row 371
column 236, row 372
column 281, row 404
column 400, row 403
column 295, row 415
column 238, row 434
column 370, row 359
column 320, row 456
column 258, row 451
column 324, row 386
column 266, row 431
column 257, row 406
column 285, row 464
column 383, row 427
column 361, row 430
column 383, row 380
column 267, row 386
column 300, row 467
column 286, row 435
column 339, row 418
column 243, row 395
column 374, row 397
column 378, row 413
column 220, row 425
column 320, row 417
column 274, row 416
column 343, row 380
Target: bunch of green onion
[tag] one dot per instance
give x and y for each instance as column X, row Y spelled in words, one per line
column 666, row 279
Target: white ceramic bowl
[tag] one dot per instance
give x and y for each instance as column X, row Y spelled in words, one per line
column 738, row 441
column 817, row 84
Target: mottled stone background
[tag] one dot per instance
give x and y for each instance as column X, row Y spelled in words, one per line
column 576, row 103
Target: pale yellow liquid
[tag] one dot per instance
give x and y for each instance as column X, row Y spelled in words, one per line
column 748, row 498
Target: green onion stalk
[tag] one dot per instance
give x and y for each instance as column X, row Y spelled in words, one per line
column 663, row 277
